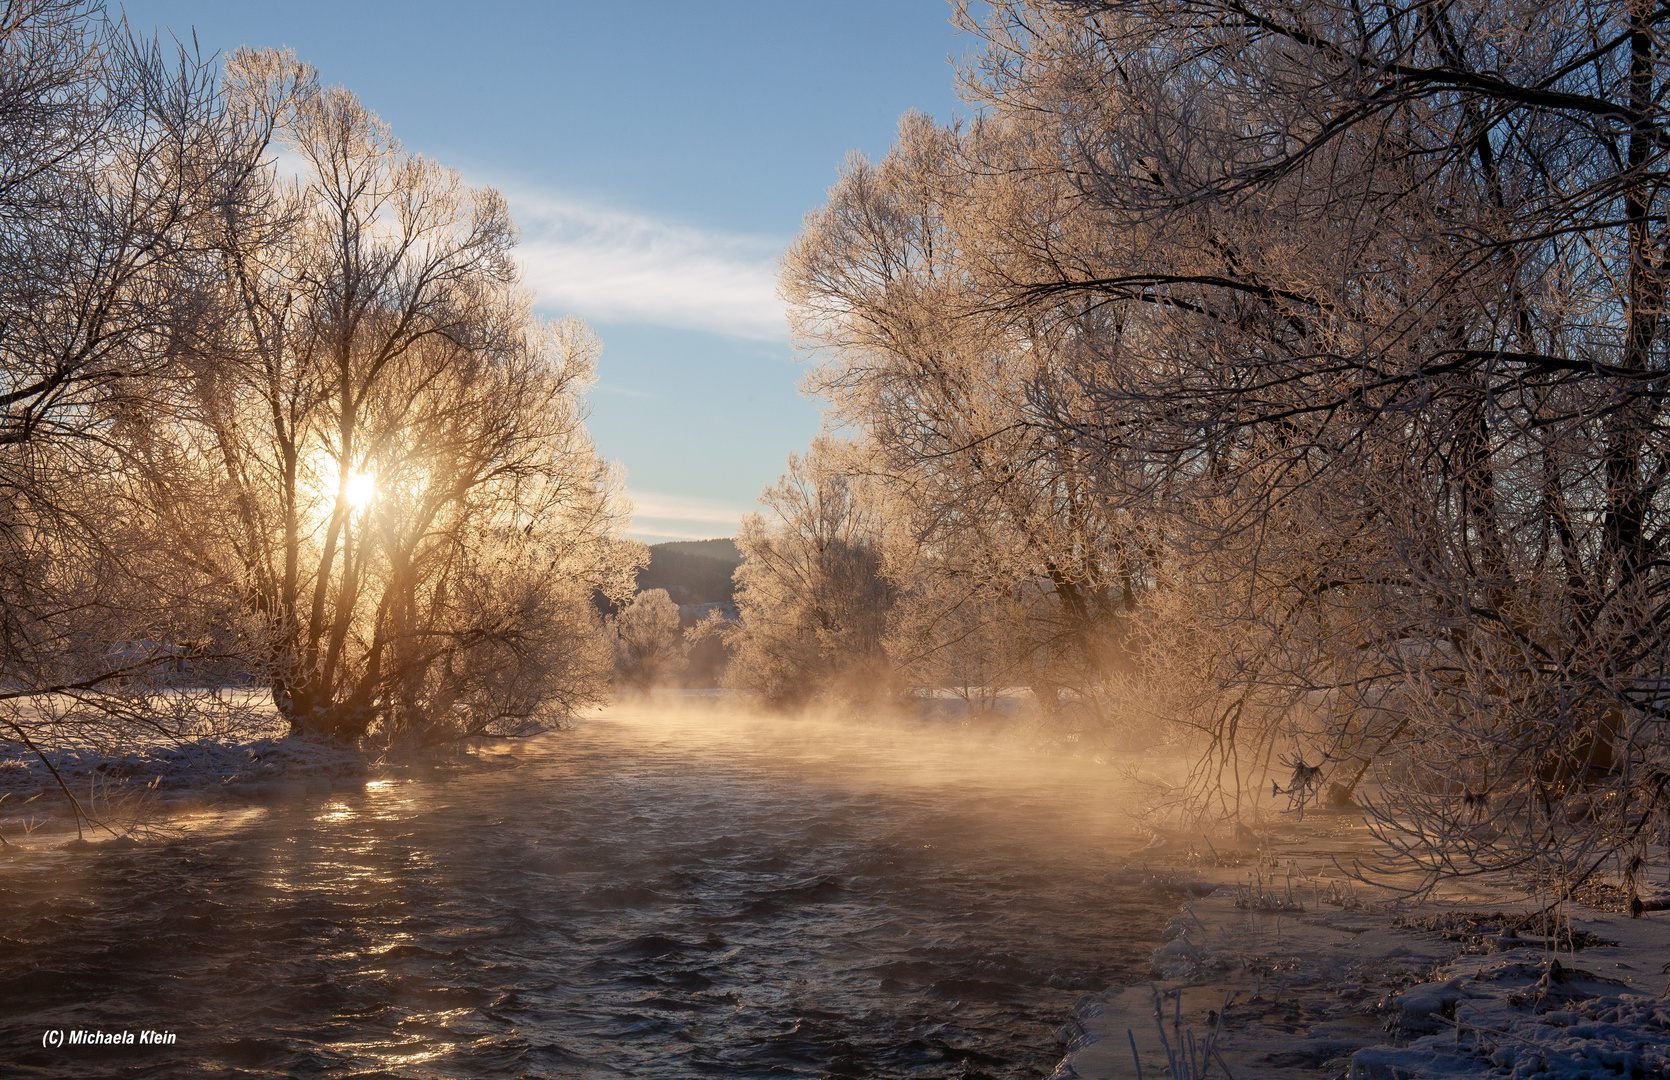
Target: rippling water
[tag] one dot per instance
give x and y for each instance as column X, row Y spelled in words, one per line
column 635, row 896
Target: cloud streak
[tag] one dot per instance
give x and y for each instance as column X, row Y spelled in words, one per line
column 682, row 517
column 607, row 264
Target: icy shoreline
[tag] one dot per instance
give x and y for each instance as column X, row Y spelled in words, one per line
column 168, row 777
column 1325, row 978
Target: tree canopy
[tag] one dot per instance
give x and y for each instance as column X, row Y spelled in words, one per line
column 1305, row 360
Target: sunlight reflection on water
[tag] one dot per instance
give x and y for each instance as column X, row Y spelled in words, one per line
column 641, row 894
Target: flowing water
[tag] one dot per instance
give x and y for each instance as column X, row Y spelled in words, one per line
column 637, row 895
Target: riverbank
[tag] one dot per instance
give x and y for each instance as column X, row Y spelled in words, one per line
column 1283, row 967
column 134, row 785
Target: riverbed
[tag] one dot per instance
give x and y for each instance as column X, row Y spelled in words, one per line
column 647, row 893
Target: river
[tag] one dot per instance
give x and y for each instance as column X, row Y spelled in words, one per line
column 640, row 894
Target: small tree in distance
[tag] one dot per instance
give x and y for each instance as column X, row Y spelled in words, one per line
column 649, row 646
column 811, row 591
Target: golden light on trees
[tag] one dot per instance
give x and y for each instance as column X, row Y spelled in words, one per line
column 1238, row 352
column 429, row 391
column 321, row 483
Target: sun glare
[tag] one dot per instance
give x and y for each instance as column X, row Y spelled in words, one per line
column 362, row 488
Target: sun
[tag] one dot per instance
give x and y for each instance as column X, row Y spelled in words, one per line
column 320, row 486
column 361, row 488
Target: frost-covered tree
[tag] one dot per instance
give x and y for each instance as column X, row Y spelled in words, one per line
column 114, row 156
column 1347, row 324
column 405, row 493
column 1002, row 499
column 293, row 427
column 1384, row 292
column 649, row 643
column 813, row 598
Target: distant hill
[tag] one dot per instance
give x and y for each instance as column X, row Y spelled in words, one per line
column 692, row 571
column 723, row 549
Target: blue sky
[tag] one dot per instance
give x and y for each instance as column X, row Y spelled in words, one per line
column 657, row 157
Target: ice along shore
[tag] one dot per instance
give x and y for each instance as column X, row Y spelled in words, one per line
column 1281, row 966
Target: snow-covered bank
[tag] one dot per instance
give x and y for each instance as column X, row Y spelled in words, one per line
column 166, row 776
column 1329, row 979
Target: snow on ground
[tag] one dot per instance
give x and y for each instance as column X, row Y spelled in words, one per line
column 1282, row 967
column 164, row 775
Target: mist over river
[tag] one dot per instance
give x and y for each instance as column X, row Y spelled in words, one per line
column 637, row 895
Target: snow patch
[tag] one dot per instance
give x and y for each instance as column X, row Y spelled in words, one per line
column 1328, row 980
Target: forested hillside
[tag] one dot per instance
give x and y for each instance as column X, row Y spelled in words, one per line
column 692, row 571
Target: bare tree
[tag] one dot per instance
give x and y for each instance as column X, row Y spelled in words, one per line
column 946, row 636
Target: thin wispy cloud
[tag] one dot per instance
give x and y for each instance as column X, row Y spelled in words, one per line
column 666, row 534
column 683, row 517
column 607, row 264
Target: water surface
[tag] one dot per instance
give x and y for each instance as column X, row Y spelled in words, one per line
column 634, row 896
